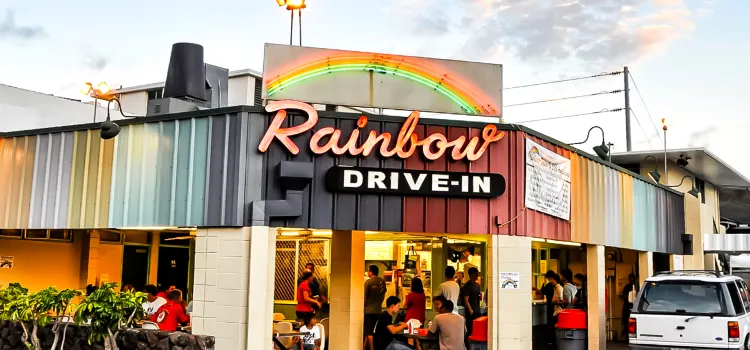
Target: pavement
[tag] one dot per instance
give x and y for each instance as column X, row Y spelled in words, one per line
column 617, row 346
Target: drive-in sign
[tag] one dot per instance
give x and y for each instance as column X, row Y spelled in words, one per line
column 402, row 182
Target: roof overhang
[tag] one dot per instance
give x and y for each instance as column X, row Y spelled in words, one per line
column 703, row 164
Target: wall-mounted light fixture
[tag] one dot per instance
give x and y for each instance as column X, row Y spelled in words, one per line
column 653, row 174
column 109, row 128
column 602, row 150
column 693, row 191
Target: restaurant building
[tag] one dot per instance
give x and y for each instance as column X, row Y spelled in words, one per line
column 259, row 191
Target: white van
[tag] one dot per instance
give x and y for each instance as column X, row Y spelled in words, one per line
column 691, row 310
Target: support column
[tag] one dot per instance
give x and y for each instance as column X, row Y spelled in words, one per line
column 676, row 262
column 226, row 260
column 645, row 266
column 596, row 285
column 509, row 310
column 346, row 294
column 154, row 258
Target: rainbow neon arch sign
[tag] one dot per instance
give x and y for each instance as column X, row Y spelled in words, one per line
column 429, row 73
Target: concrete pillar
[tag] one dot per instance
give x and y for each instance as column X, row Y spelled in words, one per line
column 154, row 258
column 645, row 266
column 509, row 310
column 676, row 262
column 347, row 292
column 596, row 285
column 92, row 263
column 226, row 260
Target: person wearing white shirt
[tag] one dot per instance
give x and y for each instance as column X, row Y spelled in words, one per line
column 153, row 302
column 450, row 289
column 311, row 341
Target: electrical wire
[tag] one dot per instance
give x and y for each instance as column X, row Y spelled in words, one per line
column 644, row 105
column 604, row 110
column 643, row 131
column 565, row 98
column 603, row 74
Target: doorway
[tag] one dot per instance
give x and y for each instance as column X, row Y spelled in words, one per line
column 174, row 268
column 135, row 260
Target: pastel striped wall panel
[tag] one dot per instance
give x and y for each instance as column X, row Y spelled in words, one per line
column 16, row 176
column 613, row 201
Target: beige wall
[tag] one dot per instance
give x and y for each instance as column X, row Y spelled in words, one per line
column 134, row 103
column 110, row 262
column 57, row 262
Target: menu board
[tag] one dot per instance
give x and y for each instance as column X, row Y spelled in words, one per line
column 376, row 250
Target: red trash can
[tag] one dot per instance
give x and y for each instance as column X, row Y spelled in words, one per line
column 572, row 330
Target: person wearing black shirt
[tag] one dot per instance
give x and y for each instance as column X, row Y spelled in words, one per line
column 314, row 286
column 471, row 295
column 581, row 299
column 548, row 290
column 385, row 329
column 627, row 306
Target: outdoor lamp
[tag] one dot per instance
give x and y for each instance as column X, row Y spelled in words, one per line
column 693, row 191
column 110, row 129
column 602, row 150
column 653, row 174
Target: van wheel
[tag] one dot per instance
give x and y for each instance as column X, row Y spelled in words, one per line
column 747, row 342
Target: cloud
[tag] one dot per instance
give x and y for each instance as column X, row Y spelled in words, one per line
column 96, row 62
column 702, row 138
column 10, row 30
column 599, row 33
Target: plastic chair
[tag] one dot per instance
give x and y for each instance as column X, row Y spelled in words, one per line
column 277, row 317
column 150, row 325
column 322, row 336
column 325, row 323
column 478, row 337
column 285, row 327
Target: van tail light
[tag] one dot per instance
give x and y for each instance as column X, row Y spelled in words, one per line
column 632, row 327
column 733, row 327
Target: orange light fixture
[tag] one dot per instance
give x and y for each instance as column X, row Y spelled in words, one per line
column 294, row 4
column 86, row 88
column 281, row 2
column 103, row 88
column 101, row 91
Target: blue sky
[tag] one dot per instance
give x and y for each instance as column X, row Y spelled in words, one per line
column 687, row 56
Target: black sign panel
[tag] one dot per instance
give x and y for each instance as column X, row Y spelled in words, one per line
column 423, row 183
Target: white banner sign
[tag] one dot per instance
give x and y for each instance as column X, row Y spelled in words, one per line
column 547, row 181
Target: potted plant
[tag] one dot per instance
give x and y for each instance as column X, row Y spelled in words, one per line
column 15, row 306
column 110, row 311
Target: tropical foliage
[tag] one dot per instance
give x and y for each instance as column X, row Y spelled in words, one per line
column 109, row 311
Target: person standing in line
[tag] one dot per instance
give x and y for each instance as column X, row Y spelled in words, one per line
column 374, row 295
column 153, row 301
column 448, row 326
column 314, row 285
column 450, row 289
column 471, row 294
column 627, row 305
column 415, row 304
column 569, row 289
column 305, row 300
column 581, row 300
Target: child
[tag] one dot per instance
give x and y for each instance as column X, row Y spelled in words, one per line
column 312, row 340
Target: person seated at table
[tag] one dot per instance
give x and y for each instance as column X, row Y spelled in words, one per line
column 311, row 341
column 153, row 300
column 449, row 327
column 384, row 339
column 171, row 314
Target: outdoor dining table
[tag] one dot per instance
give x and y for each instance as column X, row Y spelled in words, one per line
column 426, row 342
column 286, row 334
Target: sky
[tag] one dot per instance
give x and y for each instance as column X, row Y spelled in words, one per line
column 687, row 57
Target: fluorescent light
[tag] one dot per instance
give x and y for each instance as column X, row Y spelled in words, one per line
column 371, row 232
column 537, row 239
column 552, row 241
column 147, row 228
column 289, row 233
column 322, row 233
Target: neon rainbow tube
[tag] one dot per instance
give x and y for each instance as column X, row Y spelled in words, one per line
column 446, row 84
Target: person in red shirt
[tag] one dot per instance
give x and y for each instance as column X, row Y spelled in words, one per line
column 415, row 301
column 305, row 299
column 171, row 314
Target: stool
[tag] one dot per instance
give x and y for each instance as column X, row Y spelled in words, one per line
column 478, row 337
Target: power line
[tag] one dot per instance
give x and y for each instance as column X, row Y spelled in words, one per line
column 644, row 106
column 604, row 74
column 565, row 98
column 605, row 110
column 643, row 131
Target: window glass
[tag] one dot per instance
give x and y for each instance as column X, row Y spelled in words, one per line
column 737, row 301
column 689, row 297
column 61, row 235
column 745, row 295
column 11, row 233
column 110, row 237
column 36, row 234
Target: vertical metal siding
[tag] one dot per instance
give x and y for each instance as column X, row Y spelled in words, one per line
column 16, row 177
column 676, row 218
column 579, row 216
column 612, row 207
column 597, row 216
column 651, row 232
column 626, row 211
column 640, row 215
column 661, row 221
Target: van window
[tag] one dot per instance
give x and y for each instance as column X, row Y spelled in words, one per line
column 682, row 297
column 738, row 302
column 745, row 293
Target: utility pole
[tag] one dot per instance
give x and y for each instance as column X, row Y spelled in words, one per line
column 629, row 146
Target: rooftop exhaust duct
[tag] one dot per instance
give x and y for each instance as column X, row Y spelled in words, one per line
column 191, row 83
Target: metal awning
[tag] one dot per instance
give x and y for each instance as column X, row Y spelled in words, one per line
column 724, row 243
